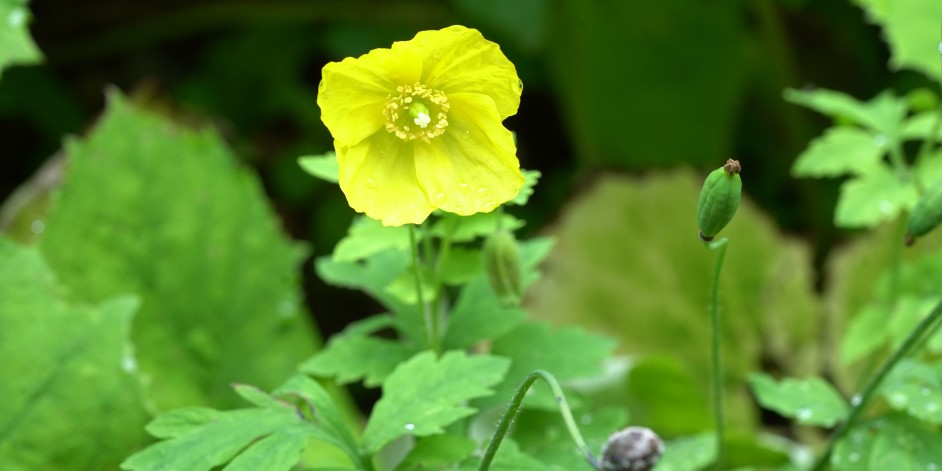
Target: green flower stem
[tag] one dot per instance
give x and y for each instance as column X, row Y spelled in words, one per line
column 717, row 342
column 431, row 320
column 898, row 162
column 922, row 331
column 514, row 409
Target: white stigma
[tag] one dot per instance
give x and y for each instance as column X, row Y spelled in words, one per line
column 422, row 120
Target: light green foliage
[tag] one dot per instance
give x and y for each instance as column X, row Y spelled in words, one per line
column 663, row 394
column 468, row 228
column 911, row 28
column 437, row 452
column 893, row 441
column 542, row 434
column 270, row 437
column 322, row 166
column 154, row 209
column 878, row 196
column 649, row 290
column 690, row 453
column 810, row 401
column 72, row 398
column 841, row 150
column 368, row 236
column 425, row 394
column 531, row 177
column 478, row 315
column 509, row 458
column 16, row 45
column 915, row 387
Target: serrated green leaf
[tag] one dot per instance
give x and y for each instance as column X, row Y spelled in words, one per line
column 257, row 397
column 895, row 442
column 567, row 352
column 182, row 421
column 911, row 27
column 883, row 114
column 349, row 358
column 865, row 334
column 16, row 44
column 810, row 401
column 691, row 453
column 915, row 387
column 279, row 451
column 179, row 223
column 403, row 287
column 425, row 394
column 468, row 228
column 437, row 452
column 461, row 266
column 215, row 443
column 368, row 236
column 324, row 410
column 479, row 315
column 531, row 178
column 66, row 367
column 543, row 435
column 921, row 126
column 873, row 198
column 928, row 169
column 839, row 151
column 509, row 457
column 322, row 166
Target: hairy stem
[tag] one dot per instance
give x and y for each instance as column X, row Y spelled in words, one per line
column 431, row 321
column 925, row 329
column 514, row 408
column 717, row 343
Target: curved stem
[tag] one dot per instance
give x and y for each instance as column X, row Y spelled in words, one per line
column 717, row 343
column 514, row 408
column 431, row 322
column 925, row 329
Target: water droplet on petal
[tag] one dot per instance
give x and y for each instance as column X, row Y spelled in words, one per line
column 410, row 427
column 437, row 198
column 487, row 206
column 467, row 135
column 459, row 209
column 463, row 187
column 371, row 183
column 482, row 191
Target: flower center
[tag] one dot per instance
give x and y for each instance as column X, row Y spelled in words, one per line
column 418, row 112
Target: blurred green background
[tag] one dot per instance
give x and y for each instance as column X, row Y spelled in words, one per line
column 624, row 101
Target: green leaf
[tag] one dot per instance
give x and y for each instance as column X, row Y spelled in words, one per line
column 915, row 387
column 257, row 397
column 322, row 166
column 182, row 421
column 479, row 315
column 468, row 228
column 895, row 442
column 531, row 176
column 810, row 401
column 350, row 358
column 883, row 114
column 509, row 457
column 278, row 451
column 437, row 452
column 543, row 435
column 425, row 394
column 71, row 395
column 840, row 151
column 368, row 236
column 566, row 352
column 325, row 411
column 865, row 334
column 662, row 393
column 177, row 221
column 690, row 453
column 928, row 169
column 907, row 312
column 871, row 199
column 461, row 266
column 16, row 45
column 911, row 28
column 649, row 288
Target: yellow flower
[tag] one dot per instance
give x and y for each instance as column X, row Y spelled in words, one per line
column 419, row 126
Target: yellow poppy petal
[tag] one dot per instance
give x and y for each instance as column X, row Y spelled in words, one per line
column 378, row 177
column 353, row 92
column 473, row 166
column 459, row 60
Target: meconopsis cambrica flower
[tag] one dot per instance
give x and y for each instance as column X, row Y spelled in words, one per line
column 418, row 126
column 631, row 449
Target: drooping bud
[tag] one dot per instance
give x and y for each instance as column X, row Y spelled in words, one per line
column 719, row 199
column 927, row 214
column 502, row 264
column 632, row 449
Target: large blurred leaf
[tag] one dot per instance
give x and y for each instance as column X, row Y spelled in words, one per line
column 71, row 397
column 912, row 29
column 894, row 442
column 668, row 94
column 16, row 45
column 628, row 263
column 811, row 401
column 154, row 209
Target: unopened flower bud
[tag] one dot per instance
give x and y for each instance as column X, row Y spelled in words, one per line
column 927, row 214
column 502, row 264
column 632, row 449
column 719, row 199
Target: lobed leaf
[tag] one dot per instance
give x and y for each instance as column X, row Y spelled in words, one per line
column 16, row 45
column 810, row 401
column 915, row 387
column 911, row 28
column 323, row 166
column 841, row 150
column 893, row 441
column 873, row 198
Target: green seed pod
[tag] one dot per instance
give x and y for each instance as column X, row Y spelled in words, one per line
column 719, row 199
column 502, row 264
column 927, row 214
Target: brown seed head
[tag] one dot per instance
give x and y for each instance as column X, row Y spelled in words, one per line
column 732, row 167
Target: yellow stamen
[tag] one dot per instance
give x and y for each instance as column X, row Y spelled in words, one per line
column 426, row 114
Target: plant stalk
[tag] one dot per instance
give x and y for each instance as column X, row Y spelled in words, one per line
column 717, row 343
column 431, row 320
column 922, row 331
column 514, row 408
